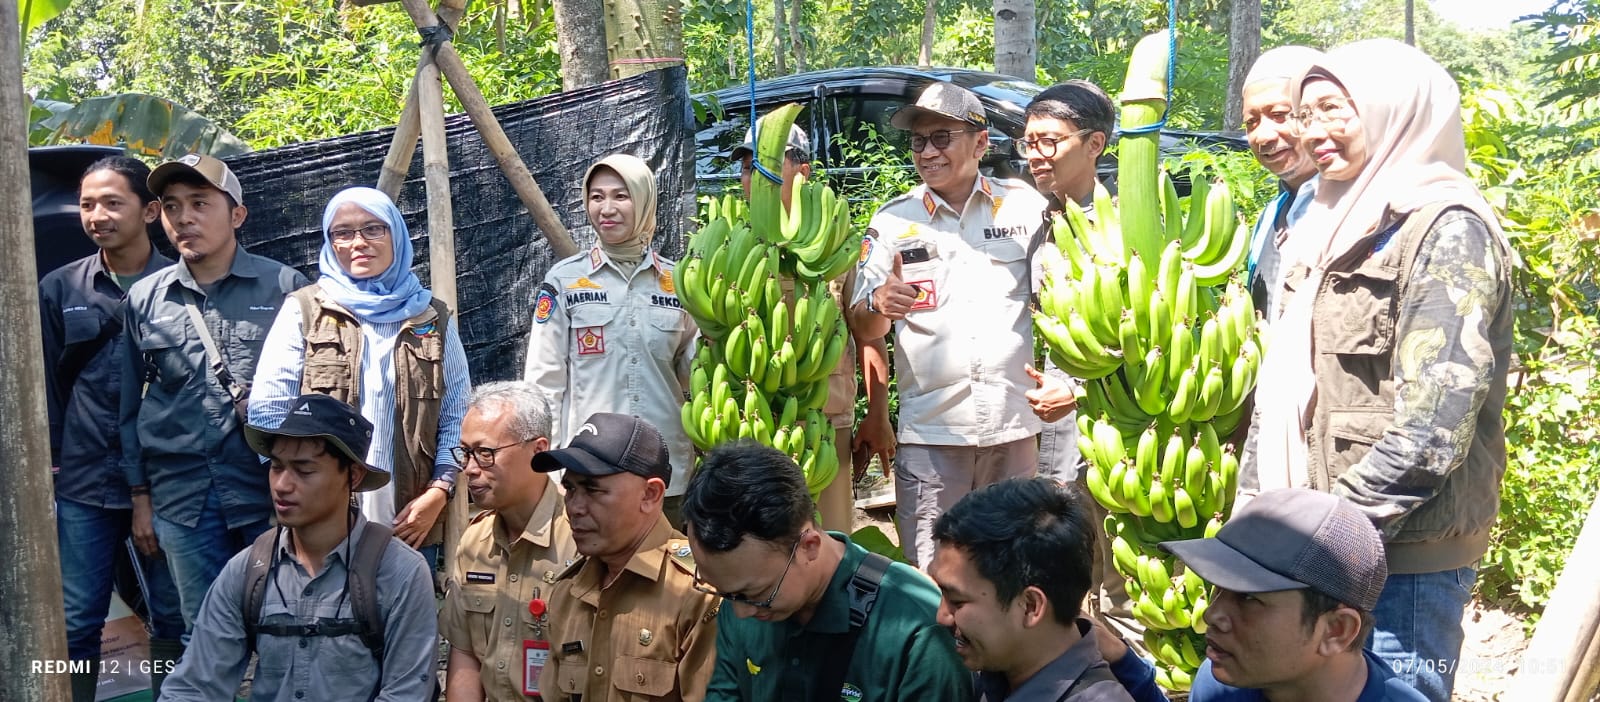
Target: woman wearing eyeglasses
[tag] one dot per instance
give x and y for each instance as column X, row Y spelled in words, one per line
column 1387, row 369
column 609, row 334
column 368, row 334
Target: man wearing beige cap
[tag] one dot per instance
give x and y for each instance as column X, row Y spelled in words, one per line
column 193, row 332
column 947, row 265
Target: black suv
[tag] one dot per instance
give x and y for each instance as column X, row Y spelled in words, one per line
column 842, row 105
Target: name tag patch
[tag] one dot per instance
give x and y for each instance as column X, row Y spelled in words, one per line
column 586, row 297
column 481, row 578
column 666, row 301
column 990, row 233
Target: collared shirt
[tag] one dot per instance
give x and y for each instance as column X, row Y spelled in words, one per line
column 1053, row 681
column 83, row 378
column 960, row 353
column 605, row 341
column 1138, row 676
column 179, row 432
column 1266, row 267
column 649, row 636
column 902, row 652
column 493, row 579
column 293, row 668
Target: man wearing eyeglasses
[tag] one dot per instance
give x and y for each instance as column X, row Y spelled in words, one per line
column 196, row 486
column 624, row 621
column 807, row 614
column 509, row 555
column 946, row 264
column 1270, row 128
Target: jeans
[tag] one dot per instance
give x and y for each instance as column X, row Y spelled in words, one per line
column 91, row 538
column 196, row 555
column 1419, row 628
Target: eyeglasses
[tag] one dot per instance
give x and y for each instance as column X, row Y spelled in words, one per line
column 484, row 455
column 1329, row 111
column 705, row 587
column 1046, row 146
column 940, row 139
column 371, row 232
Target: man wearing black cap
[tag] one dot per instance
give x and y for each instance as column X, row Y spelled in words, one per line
column 947, row 265
column 1295, row 575
column 305, row 596
column 625, row 621
column 193, row 333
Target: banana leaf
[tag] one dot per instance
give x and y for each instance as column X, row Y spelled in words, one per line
column 143, row 124
column 37, row 12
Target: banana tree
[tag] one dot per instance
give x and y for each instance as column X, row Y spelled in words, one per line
column 144, row 124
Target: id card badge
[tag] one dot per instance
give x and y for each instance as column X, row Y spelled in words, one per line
column 535, row 654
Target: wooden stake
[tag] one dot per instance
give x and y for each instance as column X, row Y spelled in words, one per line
column 1560, row 661
column 30, row 576
column 477, row 108
column 398, row 163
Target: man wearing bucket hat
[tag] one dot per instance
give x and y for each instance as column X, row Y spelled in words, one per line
column 194, row 333
column 947, row 265
column 1294, row 575
column 625, row 621
column 334, row 605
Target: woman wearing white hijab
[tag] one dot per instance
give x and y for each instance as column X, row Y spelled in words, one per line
column 369, row 334
column 1385, row 378
column 609, row 334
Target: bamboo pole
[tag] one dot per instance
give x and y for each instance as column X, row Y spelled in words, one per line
column 477, row 108
column 441, row 235
column 397, row 165
column 1559, row 663
column 30, row 575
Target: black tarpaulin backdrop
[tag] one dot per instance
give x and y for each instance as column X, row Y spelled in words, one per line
column 500, row 255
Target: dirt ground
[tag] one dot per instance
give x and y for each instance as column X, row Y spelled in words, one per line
column 1490, row 653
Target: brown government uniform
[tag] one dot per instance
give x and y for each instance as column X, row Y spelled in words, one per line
column 649, row 636
column 492, row 581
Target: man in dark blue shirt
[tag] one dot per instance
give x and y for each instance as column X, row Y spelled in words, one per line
column 192, row 476
column 80, row 310
column 1295, row 575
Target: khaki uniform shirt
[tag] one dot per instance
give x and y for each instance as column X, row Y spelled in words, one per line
column 492, row 580
column 604, row 342
column 960, row 352
column 650, row 636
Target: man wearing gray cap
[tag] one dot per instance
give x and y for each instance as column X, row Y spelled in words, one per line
column 335, row 607
column 947, row 265
column 625, row 621
column 1294, row 575
column 194, row 332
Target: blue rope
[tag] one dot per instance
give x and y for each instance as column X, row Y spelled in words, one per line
column 750, row 48
column 1172, row 70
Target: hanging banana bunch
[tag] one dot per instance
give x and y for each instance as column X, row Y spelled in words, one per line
column 1146, row 308
column 761, row 368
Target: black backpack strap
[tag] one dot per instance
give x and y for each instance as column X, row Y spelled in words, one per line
column 863, row 596
column 363, row 566
column 254, row 593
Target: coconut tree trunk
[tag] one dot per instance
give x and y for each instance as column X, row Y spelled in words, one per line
column 581, row 40
column 643, row 35
column 1016, row 43
column 1244, row 45
column 930, row 22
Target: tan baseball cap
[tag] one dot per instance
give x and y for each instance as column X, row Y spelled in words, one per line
column 212, row 170
column 943, row 100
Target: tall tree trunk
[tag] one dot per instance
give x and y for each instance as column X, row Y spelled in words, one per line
column 1411, row 22
column 1244, row 46
column 930, row 21
column 1016, row 41
column 797, row 46
column 777, row 37
column 643, row 35
column 581, row 40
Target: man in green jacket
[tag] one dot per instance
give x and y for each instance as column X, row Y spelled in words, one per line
column 807, row 612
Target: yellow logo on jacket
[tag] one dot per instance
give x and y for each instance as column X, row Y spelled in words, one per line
column 666, row 283
column 585, row 284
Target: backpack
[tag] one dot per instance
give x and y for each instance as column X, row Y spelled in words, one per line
column 363, row 570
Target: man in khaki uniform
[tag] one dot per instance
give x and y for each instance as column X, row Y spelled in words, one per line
column 625, row 622
column 511, row 553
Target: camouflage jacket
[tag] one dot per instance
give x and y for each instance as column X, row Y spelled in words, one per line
column 1412, row 337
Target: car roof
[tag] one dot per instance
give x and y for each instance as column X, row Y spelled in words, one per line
column 1001, row 93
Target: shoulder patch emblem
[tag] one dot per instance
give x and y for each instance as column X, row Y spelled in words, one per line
column 666, row 282
column 544, row 304
column 866, row 247
column 583, row 283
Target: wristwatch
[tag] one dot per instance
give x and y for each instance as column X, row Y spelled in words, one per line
column 448, row 487
column 871, row 307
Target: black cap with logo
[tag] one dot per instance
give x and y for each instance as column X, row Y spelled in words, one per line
column 608, row 444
